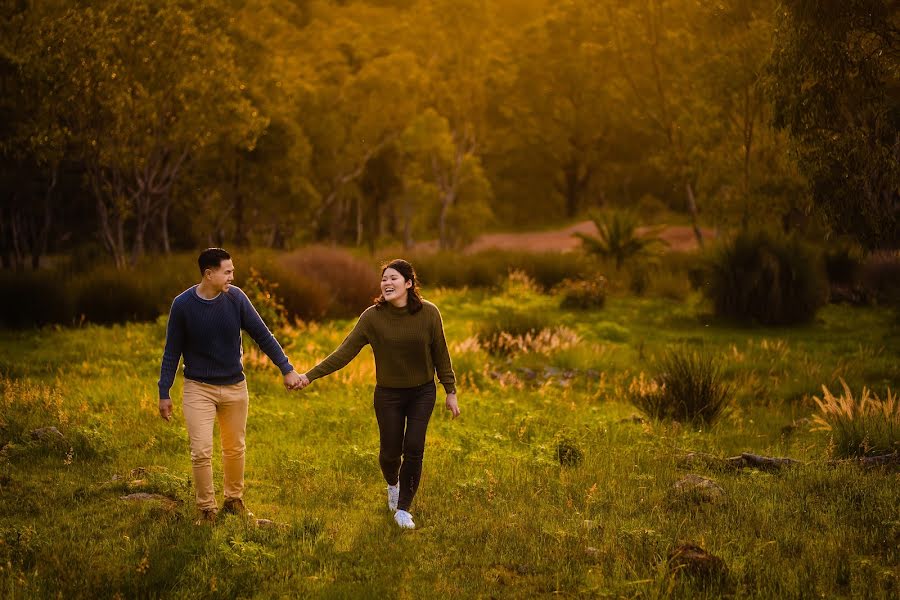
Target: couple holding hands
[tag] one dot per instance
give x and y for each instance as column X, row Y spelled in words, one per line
column 407, row 337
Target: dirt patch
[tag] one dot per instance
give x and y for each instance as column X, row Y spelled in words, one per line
column 679, row 237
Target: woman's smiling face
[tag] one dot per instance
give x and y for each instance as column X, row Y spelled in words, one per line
column 394, row 288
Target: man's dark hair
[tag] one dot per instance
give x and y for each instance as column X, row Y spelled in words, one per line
column 212, row 258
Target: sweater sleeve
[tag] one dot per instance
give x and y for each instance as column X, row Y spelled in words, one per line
column 441, row 355
column 344, row 353
column 254, row 325
column 172, row 352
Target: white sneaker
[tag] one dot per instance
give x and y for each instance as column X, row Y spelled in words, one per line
column 404, row 520
column 393, row 496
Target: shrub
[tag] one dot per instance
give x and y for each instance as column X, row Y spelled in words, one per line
column 568, row 451
column 842, row 265
column 864, row 426
column 351, row 283
column 490, row 267
column 108, row 296
column 303, row 298
column 263, row 295
column 767, row 279
column 496, row 335
column 689, row 388
column 880, row 276
column 33, row 299
column 617, row 238
column 587, row 294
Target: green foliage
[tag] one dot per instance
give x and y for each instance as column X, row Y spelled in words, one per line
column 582, row 294
column 764, row 278
column 349, row 283
column 844, row 124
column 688, row 388
column 842, row 265
column 863, row 426
column 108, row 296
column 313, row 468
column 33, row 299
column 490, row 268
column 617, row 237
column 264, row 297
column 880, row 276
column 568, row 450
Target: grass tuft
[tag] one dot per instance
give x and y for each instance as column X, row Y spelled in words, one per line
column 862, row 426
column 689, row 388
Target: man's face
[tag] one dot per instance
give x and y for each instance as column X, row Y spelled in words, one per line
column 222, row 277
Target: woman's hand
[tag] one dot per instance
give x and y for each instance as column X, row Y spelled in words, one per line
column 452, row 405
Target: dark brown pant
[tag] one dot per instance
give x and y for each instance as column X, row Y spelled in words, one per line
column 403, row 415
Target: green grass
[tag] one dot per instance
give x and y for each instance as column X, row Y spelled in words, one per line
column 497, row 514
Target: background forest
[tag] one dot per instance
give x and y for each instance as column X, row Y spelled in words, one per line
column 133, row 128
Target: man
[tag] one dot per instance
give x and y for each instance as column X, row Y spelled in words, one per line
column 204, row 326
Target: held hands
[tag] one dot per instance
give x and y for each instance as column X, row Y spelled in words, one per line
column 295, row 381
column 452, row 405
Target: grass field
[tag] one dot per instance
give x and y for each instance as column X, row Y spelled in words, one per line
column 497, row 514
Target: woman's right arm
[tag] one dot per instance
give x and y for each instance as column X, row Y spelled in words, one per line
column 344, row 353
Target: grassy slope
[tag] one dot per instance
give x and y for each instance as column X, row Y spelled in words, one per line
column 497, row 514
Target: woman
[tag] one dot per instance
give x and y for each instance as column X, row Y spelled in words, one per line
column 407, row 337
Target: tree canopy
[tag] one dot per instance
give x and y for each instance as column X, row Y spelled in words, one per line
column 169, row 124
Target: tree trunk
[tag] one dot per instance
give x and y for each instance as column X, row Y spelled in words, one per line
column 359, row 220
column 164, row 227
column 446, row 203
column 40, row 243
column 748, row 144
column 692, row 206
column 240, row 225
column 5, row 256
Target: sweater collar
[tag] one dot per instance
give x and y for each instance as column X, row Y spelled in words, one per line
column 393, row 310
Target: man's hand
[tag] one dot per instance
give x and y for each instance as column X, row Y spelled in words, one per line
column 292, row 381
column 165, row 409
column 452, row 405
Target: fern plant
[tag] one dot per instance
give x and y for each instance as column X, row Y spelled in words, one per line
column 617, row 237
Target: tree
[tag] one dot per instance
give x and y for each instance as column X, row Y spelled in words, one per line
column 142, row 88
column 836, row 91
column 560, row 106
column 442, row 183
column 656, row 52
column 463, row 54
column 746, row 165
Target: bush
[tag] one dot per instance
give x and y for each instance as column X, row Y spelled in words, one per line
column 689, row 388
column 617, row 237
column 583, row 294
column 495, row 335
column 264, row 297
column 568, row 450
column 351, row 284
column 304, row 298
column 842, row 266
column 768, row 279
column 108, row 296
column 490, row 267
column 33, row 299
column 880, row 276
column 864, row 426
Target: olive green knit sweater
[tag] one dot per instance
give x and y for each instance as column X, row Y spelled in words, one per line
column 408, row 349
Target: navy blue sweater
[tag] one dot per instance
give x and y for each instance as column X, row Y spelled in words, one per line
column 208, row 334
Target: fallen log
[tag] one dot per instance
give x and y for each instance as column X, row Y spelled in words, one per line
column 767, row 463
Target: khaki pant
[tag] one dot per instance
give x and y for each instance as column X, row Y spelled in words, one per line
column 202, row 403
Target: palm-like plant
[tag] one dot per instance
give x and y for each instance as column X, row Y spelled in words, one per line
column 617, row 237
